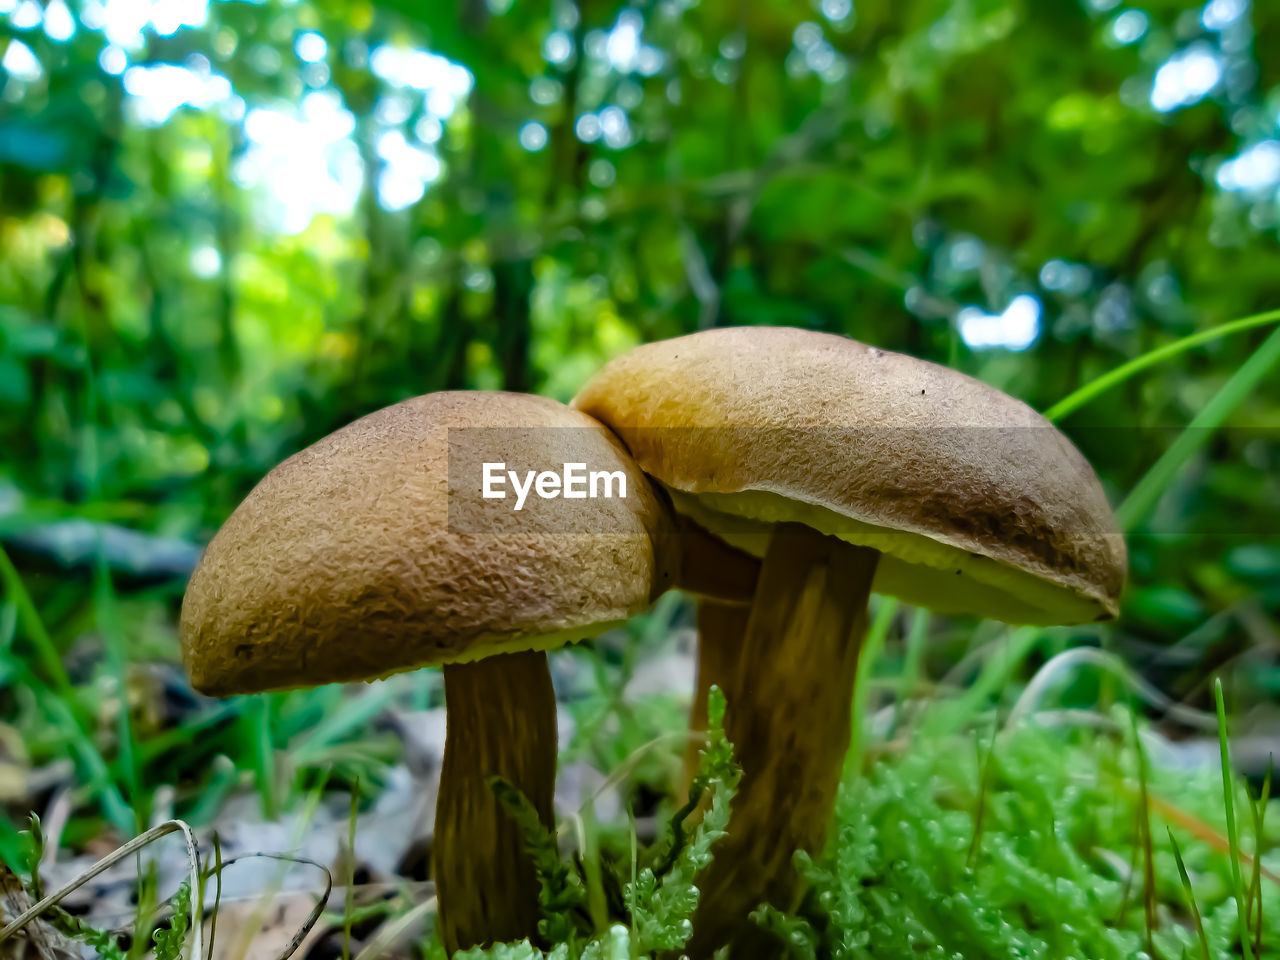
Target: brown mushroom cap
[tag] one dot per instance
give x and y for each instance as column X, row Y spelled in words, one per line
column 364, row 555
column 976, row 502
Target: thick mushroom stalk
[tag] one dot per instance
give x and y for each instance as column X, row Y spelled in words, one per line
column 721, row 627
column 789, row 691
column 724, row 581
column 709, row 568
column 500, row 721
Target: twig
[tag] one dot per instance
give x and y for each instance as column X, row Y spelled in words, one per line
column 114, row 857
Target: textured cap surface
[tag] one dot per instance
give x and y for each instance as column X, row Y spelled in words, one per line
column 977, row 502
column 373, row 550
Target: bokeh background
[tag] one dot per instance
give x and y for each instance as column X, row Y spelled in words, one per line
column 228, row 228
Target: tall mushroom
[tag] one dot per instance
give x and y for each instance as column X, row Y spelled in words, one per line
column 848, row 469
column 375, row 551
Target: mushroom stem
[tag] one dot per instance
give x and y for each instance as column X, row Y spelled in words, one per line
column 500, row 721
column 709, row 567
column 721, row 627
column 789, row 691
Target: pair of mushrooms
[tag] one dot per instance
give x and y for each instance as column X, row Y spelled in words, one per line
column 844, row 468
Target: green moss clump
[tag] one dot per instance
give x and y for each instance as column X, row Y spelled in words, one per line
column 1039, row 846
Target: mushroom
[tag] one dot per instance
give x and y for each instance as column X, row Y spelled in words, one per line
column 374, row 551
column 721, row 627
column 849, row 469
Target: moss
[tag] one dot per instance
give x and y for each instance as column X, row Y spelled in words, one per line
column 1057, row 871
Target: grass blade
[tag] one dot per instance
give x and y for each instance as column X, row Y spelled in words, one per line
column 1147, row 492
column 1255, row 883
column 984, row 785
column 1074, row 401
column 108, row 619
column 994, row 677
column 1191, row 896
column 350, row 878
column 872, row 647
column 917, row 635
column 258, row 720
column 352, row 714
column 217, row 892
column 1233, row 837
column 46, row 650
column 1144, row 840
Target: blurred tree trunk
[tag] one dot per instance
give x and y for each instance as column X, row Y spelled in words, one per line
column 512, row 287
column 490, row 174
column 447, row 369
column 568, row 154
